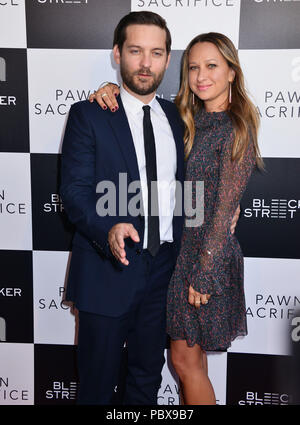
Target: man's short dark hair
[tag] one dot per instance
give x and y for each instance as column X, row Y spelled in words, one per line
column 140, row 18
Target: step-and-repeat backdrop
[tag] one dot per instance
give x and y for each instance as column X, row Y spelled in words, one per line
column 54, row 53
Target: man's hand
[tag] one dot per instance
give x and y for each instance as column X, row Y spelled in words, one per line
column 196, row 299
column 116, row 237
column 235, row 219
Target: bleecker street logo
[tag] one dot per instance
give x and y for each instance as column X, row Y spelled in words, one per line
column 273, row 209
column 55, row 204
column 61, row 391
column 254, row 399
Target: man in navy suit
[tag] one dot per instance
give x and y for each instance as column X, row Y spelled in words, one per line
column 122, row 262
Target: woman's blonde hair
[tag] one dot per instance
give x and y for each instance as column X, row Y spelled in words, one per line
column 243, row 113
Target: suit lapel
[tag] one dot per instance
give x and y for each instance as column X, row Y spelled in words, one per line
column 120, row 127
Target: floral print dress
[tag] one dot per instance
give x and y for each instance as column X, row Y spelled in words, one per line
column 210, row 259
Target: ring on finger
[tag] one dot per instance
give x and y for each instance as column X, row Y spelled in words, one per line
column 197, row 302
column 104, row 94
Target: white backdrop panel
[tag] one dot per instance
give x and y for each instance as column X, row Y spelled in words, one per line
column 272, row 296
column 16, row 381
column 273, row 79
column 56, row 80
column 54, row 323
column 15, row 201
column 188, row 18
column 12, row 24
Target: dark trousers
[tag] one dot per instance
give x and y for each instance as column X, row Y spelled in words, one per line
column 101, row 340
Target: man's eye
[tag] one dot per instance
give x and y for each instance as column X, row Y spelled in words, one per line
column 212, row 65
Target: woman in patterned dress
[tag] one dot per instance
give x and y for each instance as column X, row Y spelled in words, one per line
column 206, row 305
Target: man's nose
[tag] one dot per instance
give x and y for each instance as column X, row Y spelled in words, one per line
column 146, row 60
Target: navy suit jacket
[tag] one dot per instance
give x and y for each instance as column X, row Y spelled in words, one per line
column 98, row 146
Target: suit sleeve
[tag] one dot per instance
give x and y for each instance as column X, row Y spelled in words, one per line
column 78, row 185
column 205, row 277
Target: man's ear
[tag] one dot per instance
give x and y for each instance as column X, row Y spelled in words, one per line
column 117, row 54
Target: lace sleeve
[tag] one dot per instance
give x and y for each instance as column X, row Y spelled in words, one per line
column 233, row 178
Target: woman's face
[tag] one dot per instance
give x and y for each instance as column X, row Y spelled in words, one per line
column 209, row 76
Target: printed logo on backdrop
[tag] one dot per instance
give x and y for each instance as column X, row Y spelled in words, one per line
column 246, row 385
column 15, row 201
column 62, row 391
column 168, row 394
column 56, row 379
column 281, row 104
column 9, row 393
column 270, row 213
column 9, row 206
column 57, row 303
column 61, row 102
column 16, row 292
column 194, row 17
column 184, row 3
column 9, row 3
column 283, row 209
column 5, row 100
column 255, row 399
column 273, row 306
column 13, row 101
column 51, row 227
column 260, row 20
column 83, row 24
column 284, row 102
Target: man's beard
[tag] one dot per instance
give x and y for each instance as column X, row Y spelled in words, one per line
column 140, row 88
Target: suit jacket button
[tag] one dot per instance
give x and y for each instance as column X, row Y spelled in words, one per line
column 138, row 251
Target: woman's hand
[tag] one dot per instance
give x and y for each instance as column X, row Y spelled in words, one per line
column 106, row 96
column 196, row 299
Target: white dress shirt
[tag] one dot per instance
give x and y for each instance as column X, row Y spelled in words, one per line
column 165, row 160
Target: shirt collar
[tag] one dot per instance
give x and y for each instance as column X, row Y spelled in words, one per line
column 135, row 105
